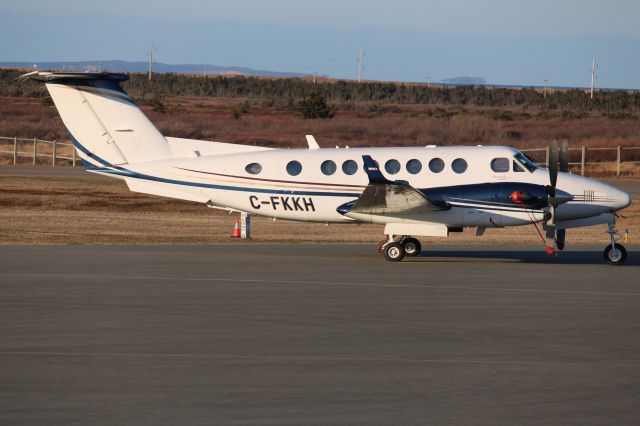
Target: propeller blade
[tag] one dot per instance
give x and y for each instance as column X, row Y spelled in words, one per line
column 553, row 163
column 550, row 228
column 564, row 156
column 560, row 238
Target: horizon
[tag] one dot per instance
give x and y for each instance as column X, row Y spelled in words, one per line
column 282, row 74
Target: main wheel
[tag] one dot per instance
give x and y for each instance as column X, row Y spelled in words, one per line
column 393, row 252
column 615, row 256
column 411, row 247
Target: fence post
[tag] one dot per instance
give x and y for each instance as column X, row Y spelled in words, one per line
column 546, row 156
column 619, row 161
column 15, row 150
column 583, row 161
column 35, row 150
column 53, row 157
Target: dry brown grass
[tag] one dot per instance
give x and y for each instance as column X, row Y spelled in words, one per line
column 99, row 210
column 261, row 123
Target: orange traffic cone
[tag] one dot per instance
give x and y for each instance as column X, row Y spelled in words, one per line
column 236, row 230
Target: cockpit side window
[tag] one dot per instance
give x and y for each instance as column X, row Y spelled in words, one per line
column 517, row 167
column 526, row 162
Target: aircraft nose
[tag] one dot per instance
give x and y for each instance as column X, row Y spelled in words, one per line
column 619, row 198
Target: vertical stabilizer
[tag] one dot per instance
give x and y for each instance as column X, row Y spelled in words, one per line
column 107, row 126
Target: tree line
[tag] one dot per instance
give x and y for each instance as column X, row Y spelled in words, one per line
column 292, row 91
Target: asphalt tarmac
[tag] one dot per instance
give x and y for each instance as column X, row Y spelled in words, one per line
column 252, row 334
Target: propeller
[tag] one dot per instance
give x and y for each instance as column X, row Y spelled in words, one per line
column 557, row 162
column 564, row 156
column 564, row 168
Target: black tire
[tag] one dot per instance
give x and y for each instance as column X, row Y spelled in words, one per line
column 615, row 257
column 393, row 252
column 411, row 247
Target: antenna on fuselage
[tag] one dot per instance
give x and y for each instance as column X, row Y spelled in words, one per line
column 312, row 142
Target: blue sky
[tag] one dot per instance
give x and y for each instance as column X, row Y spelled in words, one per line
column 504, row 41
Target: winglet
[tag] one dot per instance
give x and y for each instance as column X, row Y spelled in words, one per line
column 373, row 171
column 312, row 142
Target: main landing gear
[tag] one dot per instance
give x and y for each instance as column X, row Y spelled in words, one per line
column 614, row 254
column 396, row 248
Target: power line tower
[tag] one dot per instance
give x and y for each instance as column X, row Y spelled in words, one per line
column 428, row 77
column 150, row 52
column 546, row 85
column 360, row 60
column 594, row 77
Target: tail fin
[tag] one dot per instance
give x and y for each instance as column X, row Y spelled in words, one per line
column 106, row 125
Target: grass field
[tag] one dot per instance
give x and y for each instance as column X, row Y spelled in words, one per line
column 89, row 209
column 257, row 122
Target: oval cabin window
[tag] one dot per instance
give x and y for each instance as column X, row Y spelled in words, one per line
column 349, row 167
column 294, row 168
column 253, row 168
column 459, row 165
column 392, row 167
column 414, row 166
column 328, row 167
column 436, row 165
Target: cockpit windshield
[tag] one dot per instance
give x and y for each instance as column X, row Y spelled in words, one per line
column 526, row 161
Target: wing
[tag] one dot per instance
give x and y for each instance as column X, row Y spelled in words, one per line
column 383, row 197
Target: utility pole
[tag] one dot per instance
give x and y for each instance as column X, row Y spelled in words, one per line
column 594, row 77
column 315, row 77
column 361, row 56
column 546, row 83
column 428, row 77
column 152, row 48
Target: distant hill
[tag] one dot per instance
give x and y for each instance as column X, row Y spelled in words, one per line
column 466, row 81
column 158, row 67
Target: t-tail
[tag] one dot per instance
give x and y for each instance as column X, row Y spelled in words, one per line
column 106, row 126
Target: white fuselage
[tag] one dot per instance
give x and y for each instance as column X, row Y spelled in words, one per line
column 314, row 195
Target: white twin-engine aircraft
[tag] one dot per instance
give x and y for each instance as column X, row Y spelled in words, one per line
column 413, row 191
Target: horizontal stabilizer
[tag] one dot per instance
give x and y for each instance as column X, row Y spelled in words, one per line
column 70, row 77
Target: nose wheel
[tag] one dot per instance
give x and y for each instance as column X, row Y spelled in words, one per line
column 614, row 254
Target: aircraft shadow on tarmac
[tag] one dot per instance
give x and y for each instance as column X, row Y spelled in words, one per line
column 583, row 257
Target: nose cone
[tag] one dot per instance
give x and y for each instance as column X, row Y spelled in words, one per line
column 619, row 199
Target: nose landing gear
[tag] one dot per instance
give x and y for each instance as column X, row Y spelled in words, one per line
column 614, row 253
